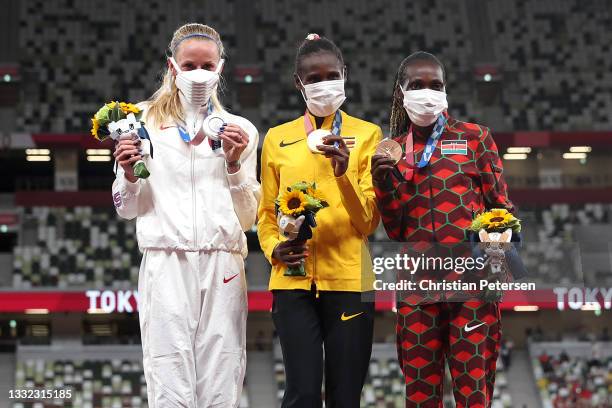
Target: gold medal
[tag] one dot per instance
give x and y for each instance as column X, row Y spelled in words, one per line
column 391, row 149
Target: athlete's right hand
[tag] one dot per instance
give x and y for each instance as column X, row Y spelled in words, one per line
column 381, row 166
column 291, row 253
column 128, row 152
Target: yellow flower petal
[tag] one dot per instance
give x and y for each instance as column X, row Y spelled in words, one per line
column 95, row 126
column 128, row 108
column 496, row 219
column 292, row 202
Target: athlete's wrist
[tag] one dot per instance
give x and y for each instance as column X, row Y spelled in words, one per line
column 232, row 166
column 131, row 178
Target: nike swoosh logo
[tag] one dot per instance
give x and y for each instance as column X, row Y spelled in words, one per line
column 469, row 329
column 283, row 144
column 225, row 280
column 344, row 317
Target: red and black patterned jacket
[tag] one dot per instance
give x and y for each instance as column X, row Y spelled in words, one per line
column 440, row 201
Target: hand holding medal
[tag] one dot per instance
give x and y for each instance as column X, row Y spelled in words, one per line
column 334, row 148
column 329, row 143
column 388, row 153
column 390, row 149
column 235, row 140
column 315, row 139
column 212, row 126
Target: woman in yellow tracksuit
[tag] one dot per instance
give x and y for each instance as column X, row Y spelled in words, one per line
column 325, row 307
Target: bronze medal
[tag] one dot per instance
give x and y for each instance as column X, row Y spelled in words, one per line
column 391, row 149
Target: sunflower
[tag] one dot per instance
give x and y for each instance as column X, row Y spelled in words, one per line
column 128, row 108
column 292, row 202
column 94, row 128
column 497, row 219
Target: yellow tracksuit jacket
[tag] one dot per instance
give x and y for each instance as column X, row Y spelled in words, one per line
column 339, row 259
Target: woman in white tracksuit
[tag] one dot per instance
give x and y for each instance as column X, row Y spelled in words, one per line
column 191, row 214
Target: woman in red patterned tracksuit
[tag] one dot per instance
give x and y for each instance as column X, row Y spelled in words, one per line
column 432, row 198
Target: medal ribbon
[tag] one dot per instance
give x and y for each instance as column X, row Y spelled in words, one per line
column 183, row 132
column 336, row 125
column 430, row 147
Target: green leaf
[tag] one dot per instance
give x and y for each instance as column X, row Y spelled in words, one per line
column 103, row 114
column 302, row 186
column 312, row 203
column 116, row 113
column 476, row 224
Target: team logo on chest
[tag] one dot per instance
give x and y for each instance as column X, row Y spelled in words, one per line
column 453, row 147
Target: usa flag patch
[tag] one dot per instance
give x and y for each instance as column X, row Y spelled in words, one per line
column 453, row 147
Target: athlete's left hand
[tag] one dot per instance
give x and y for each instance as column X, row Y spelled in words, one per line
column 339, row 155
column 235, row 140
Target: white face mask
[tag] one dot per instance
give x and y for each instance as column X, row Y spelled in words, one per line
column 325, row 97
column 424, row 105
column 197, row 85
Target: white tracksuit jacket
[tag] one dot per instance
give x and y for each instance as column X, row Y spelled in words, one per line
column 190, row 221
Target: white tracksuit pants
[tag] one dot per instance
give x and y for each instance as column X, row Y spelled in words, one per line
column 193, row 309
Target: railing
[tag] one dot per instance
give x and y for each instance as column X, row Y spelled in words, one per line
column 47, row 183
column 561, row 181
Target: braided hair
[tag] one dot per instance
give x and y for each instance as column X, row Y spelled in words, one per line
column 313, row 44
column 399, row 120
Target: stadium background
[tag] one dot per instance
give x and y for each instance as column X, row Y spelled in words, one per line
column 538, row 72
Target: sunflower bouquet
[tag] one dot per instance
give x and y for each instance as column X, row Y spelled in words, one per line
column 296, row 209
column 496, row 220
column 119, row 121
column 495, row 229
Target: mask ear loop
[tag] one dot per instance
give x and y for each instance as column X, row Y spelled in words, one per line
column 178, row 69
column 173, row 62
column 220, row 83
column 302, row 91
column 220, row 66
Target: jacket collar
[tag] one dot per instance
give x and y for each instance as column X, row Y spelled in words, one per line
column 327, row 122
column 450, row 124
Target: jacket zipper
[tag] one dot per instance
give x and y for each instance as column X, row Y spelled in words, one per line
column 431, row 205
column 193, row 198
column 431, row 212
column 314, row 251
column 404, row 216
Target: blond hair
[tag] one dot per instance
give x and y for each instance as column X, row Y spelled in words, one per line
column 165, row 102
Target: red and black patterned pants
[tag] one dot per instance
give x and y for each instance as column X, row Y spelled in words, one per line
column 467, row 335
